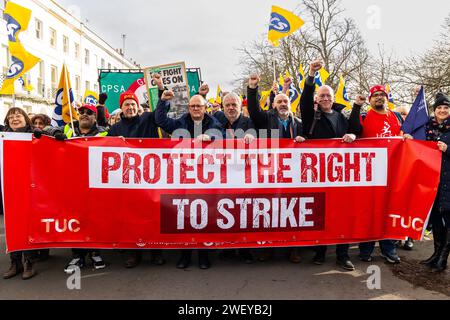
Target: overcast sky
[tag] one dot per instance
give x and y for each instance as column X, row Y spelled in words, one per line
column 206, row 33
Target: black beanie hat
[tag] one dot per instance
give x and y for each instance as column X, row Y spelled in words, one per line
column 441, row 99
column 102, row 98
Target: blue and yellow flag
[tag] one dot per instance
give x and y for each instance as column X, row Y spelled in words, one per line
column 391, row 103
column 64, row 100
column 301, row 79
column 17, row 20
column 294, row 95
column 342, row 96
column 90, row 97
column 321, row 77
column 282, row 24
column 264, row 100
column 219, row 95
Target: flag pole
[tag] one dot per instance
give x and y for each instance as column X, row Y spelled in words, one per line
column 274, row 66
column 66, row 76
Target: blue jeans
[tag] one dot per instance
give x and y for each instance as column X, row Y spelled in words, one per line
column 341, row 250
column 387, row 247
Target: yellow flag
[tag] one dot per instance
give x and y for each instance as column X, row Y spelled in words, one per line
column 17, row 19
column 301, row 78
column 264, row 101
column 294, row 95
column 219, row 95
column 342, row 96
column 90, row 97
column 391, row 103
column 321, row 77
column 64, row 100
column 282, row 24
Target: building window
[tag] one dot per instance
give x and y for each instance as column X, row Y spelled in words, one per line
column 40, row 80
column 53, row 38
column 6, row 57
column 66, row 44
column 77, row 51
column 86, row 56
column 77, row 85
column 103, row 64
column 109, row 66
column 95, row 87
column 88, row 86
column 39, row 29
column 54, row 77
column 2, row 7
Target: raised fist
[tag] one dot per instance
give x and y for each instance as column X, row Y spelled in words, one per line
column 275, row 88
column 360, row 100
column 203, row 90
column 253, row 81
column 167, row 95
column 287, row 84
column 156, row 77
column 315, row 66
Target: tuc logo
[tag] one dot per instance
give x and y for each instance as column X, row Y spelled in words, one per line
column 406, row 222
column 61, row 225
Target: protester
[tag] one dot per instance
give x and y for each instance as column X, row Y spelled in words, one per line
column 403, row 111
column 195, row 124
column 321, row 121
column 134, row 125
column 102, row 111
column 379, row 122
column 86, row 126
column 17, row 121
column 40, row 121
column 438, row 129
column 278, row 122
column 236, row 126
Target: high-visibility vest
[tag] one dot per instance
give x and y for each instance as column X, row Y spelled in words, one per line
column 69, row 132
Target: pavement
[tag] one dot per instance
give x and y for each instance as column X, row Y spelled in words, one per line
column 277, row 279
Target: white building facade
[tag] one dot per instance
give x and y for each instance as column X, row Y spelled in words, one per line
column 56, row 36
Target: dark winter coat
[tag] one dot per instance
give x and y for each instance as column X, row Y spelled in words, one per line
column 270, row 119
column 316, row 120
column 441, row 132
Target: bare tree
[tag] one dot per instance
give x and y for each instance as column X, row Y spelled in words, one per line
column 327, row 35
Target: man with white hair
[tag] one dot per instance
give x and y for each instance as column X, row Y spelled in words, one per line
column 279, row 123
column 321, row 121
column 236, row 126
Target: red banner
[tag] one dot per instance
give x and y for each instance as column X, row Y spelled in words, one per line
column 142, row 193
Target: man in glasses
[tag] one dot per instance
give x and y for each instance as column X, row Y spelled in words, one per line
column 196, row 124
column 86, row 126
column 321, row 120
column 381, row 122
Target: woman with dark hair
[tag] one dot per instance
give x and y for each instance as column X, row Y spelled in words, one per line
column 438, row 129
column 17, row 120
column 40, row 121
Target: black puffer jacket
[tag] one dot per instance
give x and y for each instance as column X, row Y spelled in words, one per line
column 143, row 126
column 441, row 132
column 269, row 120
column 322, row 127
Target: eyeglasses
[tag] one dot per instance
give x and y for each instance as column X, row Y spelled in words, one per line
column 15, row 116
column 86, row 111
column 196, row 106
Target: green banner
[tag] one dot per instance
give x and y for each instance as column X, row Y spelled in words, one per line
column 115, row 83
